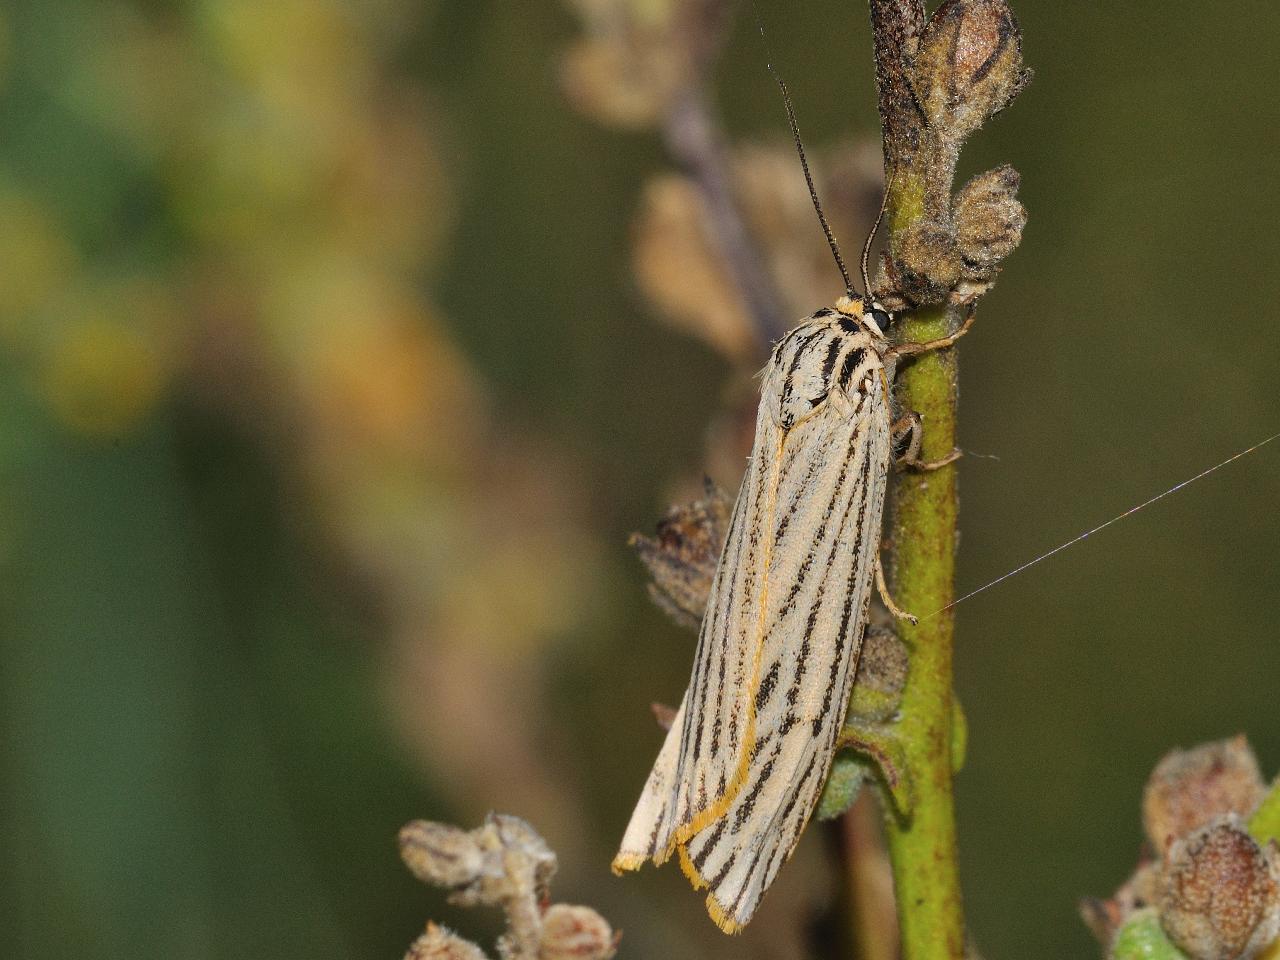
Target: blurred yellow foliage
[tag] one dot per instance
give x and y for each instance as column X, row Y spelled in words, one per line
column 263, row 208
column 307, row 59
column 146, row 86
column 103, row 375
column 382, row 375
column 36, row 253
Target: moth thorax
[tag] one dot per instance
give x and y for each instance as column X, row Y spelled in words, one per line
column 851, row 306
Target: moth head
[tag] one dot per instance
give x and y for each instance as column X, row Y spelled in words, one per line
column 878, row 317
column 870, row 314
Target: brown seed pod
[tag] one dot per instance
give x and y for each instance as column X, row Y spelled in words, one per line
column 575, row 933
column 1219, row 894
column 1188, row 788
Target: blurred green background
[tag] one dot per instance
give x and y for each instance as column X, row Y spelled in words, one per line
column 329, row 400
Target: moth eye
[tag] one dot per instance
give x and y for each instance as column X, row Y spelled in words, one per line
column 882, row 318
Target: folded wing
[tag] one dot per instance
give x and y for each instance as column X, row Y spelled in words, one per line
column 742, row 765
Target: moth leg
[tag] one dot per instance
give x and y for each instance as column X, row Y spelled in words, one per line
column 914, row 349
column 906, row 435
column 894, row 609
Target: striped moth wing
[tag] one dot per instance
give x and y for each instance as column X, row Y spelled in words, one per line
column 747, row 755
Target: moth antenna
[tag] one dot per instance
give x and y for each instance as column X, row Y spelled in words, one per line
column 804, row 164
column 1102, row 526
column 875, row 227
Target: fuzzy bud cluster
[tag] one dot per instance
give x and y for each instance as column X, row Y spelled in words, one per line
column 437, row 943
column 968, row 66
column 575, row 933
column 1219, row 896
column 989, row 220
column 503, row 863
column 439, row 854
column 1212, row 887
column 958, row 257
column 926, row 262
column 682, row 557
column 1188, row 788
column 503, row 859
column 962, row 67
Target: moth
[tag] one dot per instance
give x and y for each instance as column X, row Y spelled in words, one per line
column 748, row 752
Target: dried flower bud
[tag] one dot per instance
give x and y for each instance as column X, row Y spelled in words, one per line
column 575, row 933
column 439, row 854
column 502, row 831
column 989, row 221
column 682, row 558
column 517, row 863
column 440, row 944
column 926, row 263
column 506, row 863
column 1105, row 917
column 664, row 714
column 882, row 673
column 1220, row 893
column 1189, row 788
column 501, row 861
column 969, row 65
column 1100, row 916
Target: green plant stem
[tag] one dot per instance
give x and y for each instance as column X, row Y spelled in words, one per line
column 922, row 846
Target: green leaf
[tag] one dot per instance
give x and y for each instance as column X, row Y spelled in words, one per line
column 1142, row 938
column 1264, row 825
